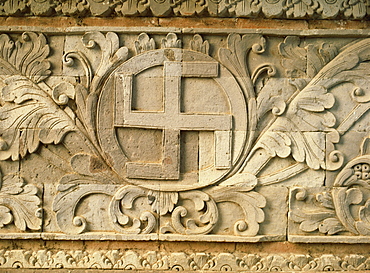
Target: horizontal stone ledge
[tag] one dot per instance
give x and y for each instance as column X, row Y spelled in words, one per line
column 164, row 30
column 155, row 25
column 23, row 270
column 329, row 239
column 106, row 236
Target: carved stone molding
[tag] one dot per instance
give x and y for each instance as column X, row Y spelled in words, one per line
column 150, row 136
column 179, row 261
column 316, row 9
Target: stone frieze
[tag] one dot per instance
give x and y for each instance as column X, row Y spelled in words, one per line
column 179, row 261
column 316, row 9
column 147, row 136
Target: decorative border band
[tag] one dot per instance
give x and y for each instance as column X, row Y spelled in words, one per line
column 316, row 9
column 179, row 261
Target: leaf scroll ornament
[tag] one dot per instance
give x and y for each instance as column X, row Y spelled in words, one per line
column 302, row 129
column 28, row 115
column 317, row 213
column 251, row 202
column 19, row 203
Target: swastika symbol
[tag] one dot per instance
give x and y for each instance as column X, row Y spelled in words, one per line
column 172, row 121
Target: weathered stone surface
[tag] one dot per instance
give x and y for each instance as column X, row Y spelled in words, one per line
column 178, row 261
column 167, row 135
column 340, row 210
column 239, row 8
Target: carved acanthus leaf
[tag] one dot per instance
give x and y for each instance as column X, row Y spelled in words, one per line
column 202, row 203
column 26, row 57
column 198, row 44
column 122, row 201
column 6, row 216
column 299, row 131
column 321, row 217
column 323, row 221
column 19, row 202
column 285, row 139
column 234, row 58
column 350, row 195
column 112, row 54
column 171, row 41
column 294, row 57
column 272, row 100
column 86, row 94
column 304, row 62
column 325, row 199
column 359, row 76
column 363, row 225
column 163, row 202
column 29, row 116
column 144, row 43
column 318, row 57
column 251, row 203
column 72, row 190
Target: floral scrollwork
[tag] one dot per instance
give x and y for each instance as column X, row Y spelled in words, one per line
column 207, row 221
column 351, row 195
column 124, row 199
column 344, row 208
column 188, row 213
column 14, row 194
column 251, row 203
column 158, row 195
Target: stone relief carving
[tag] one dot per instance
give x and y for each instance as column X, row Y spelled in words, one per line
column 163, row 184
column 166, row 135
column 179, row 261
column 20, row 204
column 318, row 9
column 341, row 209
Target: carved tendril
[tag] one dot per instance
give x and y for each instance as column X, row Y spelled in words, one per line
column 123, row 200
column 201, row 201
column 268, row 68
column 68, row 60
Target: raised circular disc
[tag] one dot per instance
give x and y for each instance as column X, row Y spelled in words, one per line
column 178, row 107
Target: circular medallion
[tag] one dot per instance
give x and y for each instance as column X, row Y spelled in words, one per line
column 172, row 120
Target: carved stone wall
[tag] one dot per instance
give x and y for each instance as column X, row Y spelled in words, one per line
column 160, row 135
column 318, row 9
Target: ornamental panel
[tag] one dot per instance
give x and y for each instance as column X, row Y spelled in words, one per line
column 165, row 135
